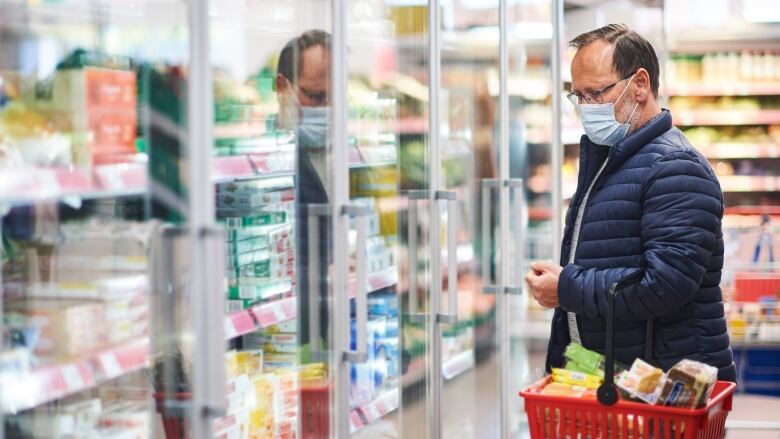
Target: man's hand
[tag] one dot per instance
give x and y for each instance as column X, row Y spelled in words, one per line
column 542, row 280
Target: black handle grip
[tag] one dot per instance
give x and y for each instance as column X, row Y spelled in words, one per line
column 607, row 393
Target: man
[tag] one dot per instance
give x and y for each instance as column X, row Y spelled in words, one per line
column 646, row 199
column 302, row 87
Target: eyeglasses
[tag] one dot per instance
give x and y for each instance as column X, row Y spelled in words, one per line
column 318, row 98
column 595, row 97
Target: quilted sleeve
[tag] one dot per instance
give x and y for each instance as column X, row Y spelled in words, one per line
column 682, row 210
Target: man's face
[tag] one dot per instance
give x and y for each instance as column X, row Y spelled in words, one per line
column 591, row 71
column 312, row 88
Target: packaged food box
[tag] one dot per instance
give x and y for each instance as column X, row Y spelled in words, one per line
column 688, row 384
column 261, row 219
column 641, row 381
column 576, row 378
column 256, row 200
column 251, row 187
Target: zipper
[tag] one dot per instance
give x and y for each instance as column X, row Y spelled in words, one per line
column 574, row 331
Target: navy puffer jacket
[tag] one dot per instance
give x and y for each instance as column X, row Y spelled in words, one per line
column 657, row 205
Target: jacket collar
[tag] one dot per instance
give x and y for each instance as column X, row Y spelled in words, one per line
column 621, row 152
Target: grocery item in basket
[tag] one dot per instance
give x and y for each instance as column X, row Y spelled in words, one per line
column 584, row 360
column 641, row 381
column 688, row 384
column 560, row 389
column 576, row 378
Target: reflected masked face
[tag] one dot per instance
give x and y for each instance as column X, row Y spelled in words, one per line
column 311, row 90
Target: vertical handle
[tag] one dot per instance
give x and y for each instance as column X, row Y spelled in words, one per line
column 520, row 219
column 414, row 198
column 360, row 353
column 451, row 316
column 487, row 222
column 211, row 332
column 314, row 213
column 607, row 393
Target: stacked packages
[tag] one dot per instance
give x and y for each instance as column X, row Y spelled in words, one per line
column 258, row 216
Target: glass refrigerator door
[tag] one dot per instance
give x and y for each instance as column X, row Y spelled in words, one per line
column 534, row 128
column 92, row 117
column 388, row 176
column 468, row 230
column 272, row 152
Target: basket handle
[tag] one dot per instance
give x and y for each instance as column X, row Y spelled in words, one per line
column 607, row 393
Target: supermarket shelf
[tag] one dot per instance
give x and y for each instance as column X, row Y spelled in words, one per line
column 260, row 316
column 376, row 281
column 752, row 210
column 725, row 89
column 29, row 185
column 252, row 166
column 417, row 125
column 725, row 117
column 27, row 390
column 382, row 405
column 369, row 165
column 452, row 368
column 458, row 364
column 749, row 183
column 741, row 150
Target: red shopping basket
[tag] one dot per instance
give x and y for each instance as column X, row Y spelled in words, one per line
column 566, row 417
column 174, row 414
column 608, row 417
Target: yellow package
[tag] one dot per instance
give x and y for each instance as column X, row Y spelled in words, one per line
column 573, row 378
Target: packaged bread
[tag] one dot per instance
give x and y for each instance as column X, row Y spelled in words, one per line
column 688, row 384
column 641, row 381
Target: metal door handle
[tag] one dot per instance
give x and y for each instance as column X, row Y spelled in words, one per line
column 212, row 350
column 451, row 316
column 313, row 214
column 414, row 197
column 488, row 184
column 360, row 353
column 516, row 186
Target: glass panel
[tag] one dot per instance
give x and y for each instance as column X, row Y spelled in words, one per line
column 469, row 160
column 272, row 147
column 389, row 173
column 530, row 134
column 91, row 109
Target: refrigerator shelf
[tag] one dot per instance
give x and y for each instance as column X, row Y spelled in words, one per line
column 458, row 364
column 260, row 316
column 382, row 405
column 23, row 391
column 252, row 166
column 27, row 185
column 375, row 282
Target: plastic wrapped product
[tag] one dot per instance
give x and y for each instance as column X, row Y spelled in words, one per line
column 641, row 381
column 576, row 378
column 688, row 384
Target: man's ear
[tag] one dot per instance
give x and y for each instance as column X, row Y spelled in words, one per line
column 282, row 84
column 643, row 89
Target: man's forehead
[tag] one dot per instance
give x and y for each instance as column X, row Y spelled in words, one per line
column 592, row 64
column 315, row 63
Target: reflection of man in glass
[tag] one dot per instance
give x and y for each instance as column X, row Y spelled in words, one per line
column 302, row 86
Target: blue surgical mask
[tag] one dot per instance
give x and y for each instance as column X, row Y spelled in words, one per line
column 600, row 123
column 313, row 130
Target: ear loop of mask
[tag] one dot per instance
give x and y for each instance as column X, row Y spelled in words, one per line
column 621, row 96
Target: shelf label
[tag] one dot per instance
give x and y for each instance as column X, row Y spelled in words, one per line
column 72, row 377
column 110, row 365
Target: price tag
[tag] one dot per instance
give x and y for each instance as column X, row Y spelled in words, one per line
column 110, row 364
column 230, row 329
column 279, row 313
column 72, row 377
